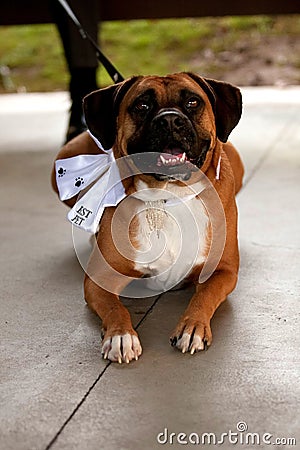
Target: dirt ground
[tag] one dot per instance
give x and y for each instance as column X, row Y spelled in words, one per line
column 275, row 61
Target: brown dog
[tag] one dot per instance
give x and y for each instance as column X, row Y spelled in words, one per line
column 173, row 132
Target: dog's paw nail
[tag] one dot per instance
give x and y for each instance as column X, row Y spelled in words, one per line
column 137, row 354
column 192, row 351
column 122, row 348
column 173, row 341
column 197, row 345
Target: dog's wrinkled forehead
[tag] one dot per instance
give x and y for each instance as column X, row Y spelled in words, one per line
column 168, row 91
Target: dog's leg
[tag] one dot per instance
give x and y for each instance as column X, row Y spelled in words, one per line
column 193, row 331
column 107, row 274
column 120, row 341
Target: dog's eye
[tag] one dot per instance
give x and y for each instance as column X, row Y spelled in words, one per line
column 192, row 103
column 142, row 106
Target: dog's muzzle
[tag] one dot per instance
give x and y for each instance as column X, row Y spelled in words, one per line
column 170, row 148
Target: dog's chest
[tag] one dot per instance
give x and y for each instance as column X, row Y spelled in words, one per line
column 171, row 238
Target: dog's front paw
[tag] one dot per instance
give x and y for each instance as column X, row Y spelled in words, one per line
column 121, row 348
column 191, row 336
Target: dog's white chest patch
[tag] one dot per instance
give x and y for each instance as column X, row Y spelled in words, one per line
column 171, row 240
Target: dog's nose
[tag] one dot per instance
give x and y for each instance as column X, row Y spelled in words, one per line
column 170, row 120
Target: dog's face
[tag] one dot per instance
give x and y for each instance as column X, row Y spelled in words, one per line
column 169, row 125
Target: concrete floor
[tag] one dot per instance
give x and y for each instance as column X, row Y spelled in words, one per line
column 57, row 392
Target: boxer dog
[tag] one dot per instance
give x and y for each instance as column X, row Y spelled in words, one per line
column 173, row 130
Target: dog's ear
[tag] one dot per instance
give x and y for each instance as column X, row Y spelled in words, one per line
column 101, row 110
column 226, row 101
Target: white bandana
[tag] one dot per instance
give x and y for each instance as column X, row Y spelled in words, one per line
column 80, row 172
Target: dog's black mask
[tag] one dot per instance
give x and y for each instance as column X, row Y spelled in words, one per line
column 166, row 141
column 167, row 136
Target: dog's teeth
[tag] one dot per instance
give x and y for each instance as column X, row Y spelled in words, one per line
column 162, row 159
column 169, row 161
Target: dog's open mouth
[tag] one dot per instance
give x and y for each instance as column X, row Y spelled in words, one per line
column 171, row 158
column 173, row 163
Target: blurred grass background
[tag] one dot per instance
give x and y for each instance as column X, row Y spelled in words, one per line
column 32, row 59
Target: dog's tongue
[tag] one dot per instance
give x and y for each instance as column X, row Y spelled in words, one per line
column 173, row 151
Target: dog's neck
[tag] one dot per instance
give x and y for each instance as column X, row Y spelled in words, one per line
column 166, row 193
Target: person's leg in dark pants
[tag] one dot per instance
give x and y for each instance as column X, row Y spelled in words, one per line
column 80, row 55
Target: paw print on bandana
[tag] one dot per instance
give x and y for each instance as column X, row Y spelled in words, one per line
column 79, row 181
column 61, row 172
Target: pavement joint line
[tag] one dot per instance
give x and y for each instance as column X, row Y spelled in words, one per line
column 265, row 155
column 149, row 311
column 84, row 398
column 77, row 407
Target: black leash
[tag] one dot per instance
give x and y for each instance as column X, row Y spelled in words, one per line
column 111, row 70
